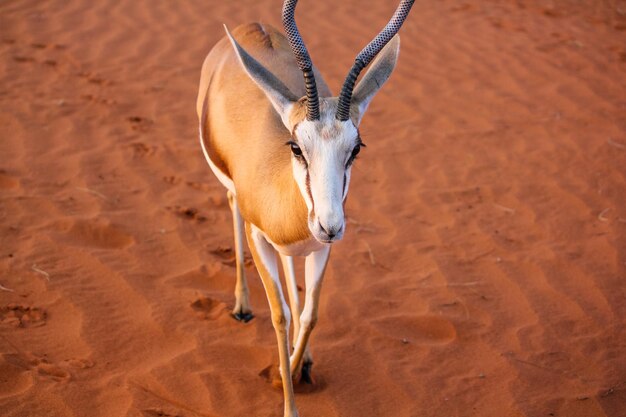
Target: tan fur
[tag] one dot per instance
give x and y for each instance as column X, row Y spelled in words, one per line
column 245, row 137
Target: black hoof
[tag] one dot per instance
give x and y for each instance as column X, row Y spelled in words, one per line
column 244, row 317
column 305, row 376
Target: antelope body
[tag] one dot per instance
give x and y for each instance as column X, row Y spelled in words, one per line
column 284, row 154
column 245, row 137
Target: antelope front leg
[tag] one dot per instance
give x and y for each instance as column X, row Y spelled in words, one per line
column 242, row 311
column 265, row 260
column 294, row 302
column 292, row 291
column 315, row 266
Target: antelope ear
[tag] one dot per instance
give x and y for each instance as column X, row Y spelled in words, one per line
column 279, row 95
column 377, row 74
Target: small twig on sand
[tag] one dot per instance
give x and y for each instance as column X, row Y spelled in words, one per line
column 371, row 254
column 463, row 284
column 3, row 288
column 504, row 208
column 615, row 144
column 90, row 191
column 41, row 271
column 602, row 213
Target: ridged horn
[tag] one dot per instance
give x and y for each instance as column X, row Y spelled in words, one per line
column 302, row 58
column 367, row 54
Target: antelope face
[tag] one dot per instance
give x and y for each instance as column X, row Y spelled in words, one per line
column 322, row 154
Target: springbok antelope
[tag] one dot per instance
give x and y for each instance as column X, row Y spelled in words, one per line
column 288, row 199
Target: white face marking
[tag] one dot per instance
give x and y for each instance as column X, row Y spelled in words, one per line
column 322, row 171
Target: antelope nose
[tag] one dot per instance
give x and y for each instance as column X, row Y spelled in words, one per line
column 330, row 232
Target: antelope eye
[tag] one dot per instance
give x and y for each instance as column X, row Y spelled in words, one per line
column 295, row 149
column 355, row 151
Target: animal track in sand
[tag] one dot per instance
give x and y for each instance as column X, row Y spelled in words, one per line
column 141, row 149
column 172, row 179
column 53, row 371
column 227, row 256
column 18, row 364
column 98, row 100
column 15, row 315
column 208, row 308
column 14, row 376
column 94, row 234
column 140, row 124
column 188, row 213
column 79, row 363
column 271, row 374
column 428, row 330
column 199, row 186
column 59, row 372
column 94, row 79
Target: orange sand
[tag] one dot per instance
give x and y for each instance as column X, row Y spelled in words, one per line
column 483, row 271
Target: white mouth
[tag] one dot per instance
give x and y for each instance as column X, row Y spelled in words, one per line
column 321, row 236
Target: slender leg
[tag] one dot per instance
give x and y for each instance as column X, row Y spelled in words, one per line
column 292, row 291
column 315, row 265
column 265, row 260
column 242, row 311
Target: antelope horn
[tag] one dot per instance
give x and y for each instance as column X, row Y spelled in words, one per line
column 367, row 54
column 302, row 58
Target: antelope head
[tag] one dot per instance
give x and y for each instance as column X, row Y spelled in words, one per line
column 324, row 131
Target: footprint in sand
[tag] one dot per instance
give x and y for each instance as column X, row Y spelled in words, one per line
column 15, row 315
column 271, row 375
column 427, row 330
column 172, row 179
column 52, row 371
column 188, row 213
column 94, row 78
column 227, row 256
column 14, row 376
column 79, row 363
column 98, row 100
column 92, row 233
column 141, row 149
column 22, row 366
column 209, row 309
column 61, row 371
column 199, row 186
column 140, row 124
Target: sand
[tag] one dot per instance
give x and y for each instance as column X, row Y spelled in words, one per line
column 482, row 273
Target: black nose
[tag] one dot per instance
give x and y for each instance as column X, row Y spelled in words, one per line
column 331, row 234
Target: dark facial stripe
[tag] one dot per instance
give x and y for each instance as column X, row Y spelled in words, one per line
column 345, row 178
column 308, row 190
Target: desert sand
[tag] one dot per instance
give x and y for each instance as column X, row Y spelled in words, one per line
column 483, row 272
